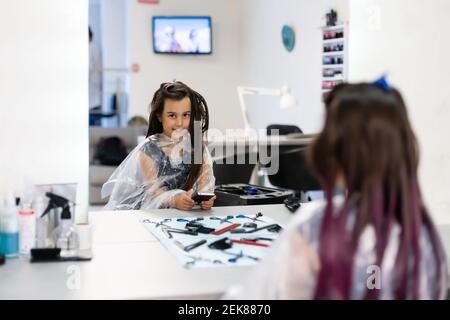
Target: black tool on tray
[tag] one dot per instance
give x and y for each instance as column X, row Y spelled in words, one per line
column 271, row 227
column 198, row 227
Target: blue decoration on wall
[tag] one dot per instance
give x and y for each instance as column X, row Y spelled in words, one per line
column 288, row 36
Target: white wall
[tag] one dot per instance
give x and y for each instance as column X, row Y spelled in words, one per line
column 215, row 76
column 247, row 51
column 44, row 94
column 407, row 39
column 266, row 63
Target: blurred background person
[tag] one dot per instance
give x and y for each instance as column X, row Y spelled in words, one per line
column 169, row 43
column 95, row 80
column 193, row 45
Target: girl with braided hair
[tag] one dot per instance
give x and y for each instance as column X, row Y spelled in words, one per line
column 172, row 162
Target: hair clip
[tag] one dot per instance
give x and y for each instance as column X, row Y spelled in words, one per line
column 174, row 80
column 382, row 83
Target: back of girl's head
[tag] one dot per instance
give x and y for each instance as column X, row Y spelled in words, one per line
column 177, row 90
column 367, row 142
column 367, row 137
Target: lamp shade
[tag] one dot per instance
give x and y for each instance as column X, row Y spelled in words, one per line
column 287, row 100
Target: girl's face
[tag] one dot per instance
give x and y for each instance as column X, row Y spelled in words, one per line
column 176, row 115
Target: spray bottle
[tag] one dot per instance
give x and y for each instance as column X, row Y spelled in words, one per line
column 65, row 236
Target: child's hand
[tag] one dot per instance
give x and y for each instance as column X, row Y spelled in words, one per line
column 183, row 201
column 206, row 205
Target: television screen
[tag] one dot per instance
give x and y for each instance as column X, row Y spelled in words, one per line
column 182, row 35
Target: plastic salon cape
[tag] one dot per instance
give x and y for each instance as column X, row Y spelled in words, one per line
column 154, row 172
column 291, row 268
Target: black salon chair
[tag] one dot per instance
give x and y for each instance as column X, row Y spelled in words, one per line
column 283, row 129
column 294, row 172
column 234, row 169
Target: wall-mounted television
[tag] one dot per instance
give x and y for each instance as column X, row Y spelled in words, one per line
column 182, row 35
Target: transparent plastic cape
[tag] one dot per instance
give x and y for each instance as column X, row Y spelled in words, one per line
column 155, row 172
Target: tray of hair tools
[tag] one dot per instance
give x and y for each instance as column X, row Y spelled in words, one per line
column 237, row 194
column 216, row 241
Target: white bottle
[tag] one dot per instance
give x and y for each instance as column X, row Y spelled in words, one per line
column 41, row 223
column 27, row 229
column 9, row 227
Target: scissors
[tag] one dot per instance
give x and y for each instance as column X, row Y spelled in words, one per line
column 157, row 224
column 169, row 230
column 255, row 218
column 271, row 227
column 238, row 256
column 187, row 220
column 223, row 220
column 191, row 263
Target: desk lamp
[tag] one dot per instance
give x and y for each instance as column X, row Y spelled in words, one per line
column 287, row 100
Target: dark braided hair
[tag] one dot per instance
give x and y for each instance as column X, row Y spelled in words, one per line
column 199, row 112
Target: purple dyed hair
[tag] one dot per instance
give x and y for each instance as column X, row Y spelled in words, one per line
column 368, row 141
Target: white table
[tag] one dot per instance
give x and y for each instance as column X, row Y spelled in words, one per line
column 128, row 263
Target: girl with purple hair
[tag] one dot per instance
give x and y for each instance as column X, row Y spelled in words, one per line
column 375, row 240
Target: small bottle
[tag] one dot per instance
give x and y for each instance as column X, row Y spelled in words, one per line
column 9, row 227
column 27, row 229
column 41, row 223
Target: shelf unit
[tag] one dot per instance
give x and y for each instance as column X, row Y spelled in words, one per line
column 334, row 56
column 331, row 41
